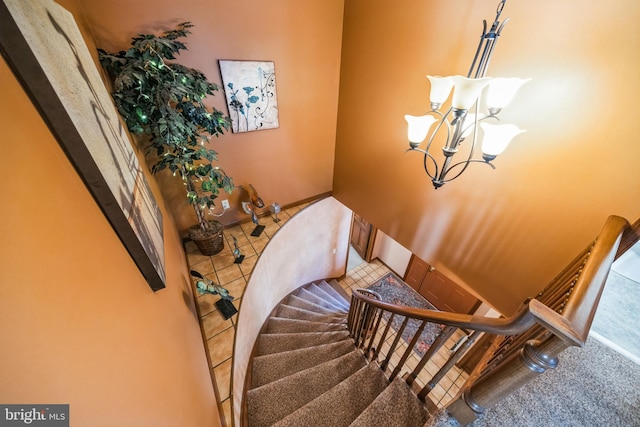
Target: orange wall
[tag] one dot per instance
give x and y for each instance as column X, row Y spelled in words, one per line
column 288, row 164
column 78, row 322
column 503, row 233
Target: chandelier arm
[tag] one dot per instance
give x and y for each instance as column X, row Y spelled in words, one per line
column 489, row 40
column 491, row 45
column 466, row 164
column 420, row 150
column 426, row 168
column 475, row 58
column 471, row 151
column 499, row 30
column 443, row 121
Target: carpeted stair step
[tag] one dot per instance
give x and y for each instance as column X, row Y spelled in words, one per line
column 272, row 367
column 336, row 285
column 302, row 314
column 312, row 297
column 295, row 301
column 318, row 291
column 272, row 402
column 334, row 293
column 276, row 343
column 396, row 406
column 278, row 325
column 339, row 406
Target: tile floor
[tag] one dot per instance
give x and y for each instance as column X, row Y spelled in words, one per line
column 220, row 332
column 221, row 269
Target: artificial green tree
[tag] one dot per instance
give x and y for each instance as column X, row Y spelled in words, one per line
column 164, row 100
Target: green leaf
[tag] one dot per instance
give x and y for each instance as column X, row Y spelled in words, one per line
column 162, row 100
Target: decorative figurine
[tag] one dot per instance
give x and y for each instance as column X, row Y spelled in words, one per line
column 236, row 252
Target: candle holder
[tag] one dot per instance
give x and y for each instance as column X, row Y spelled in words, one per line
column 275, row 210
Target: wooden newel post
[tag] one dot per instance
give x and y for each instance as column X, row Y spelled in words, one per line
column 523, row 366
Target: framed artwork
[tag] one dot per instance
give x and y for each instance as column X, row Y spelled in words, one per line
column 250, row 90
column 45, row 50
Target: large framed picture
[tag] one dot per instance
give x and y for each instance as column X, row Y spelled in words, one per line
column 250, row 89
column 44, row 48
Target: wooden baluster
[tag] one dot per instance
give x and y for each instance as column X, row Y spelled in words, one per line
column 442, row 338
column 375, row 332
column 563, row 280
column 409, row 350
column 449, row 363
column 362, row 307
column 366, row 325
column 352, row 309
column 384, row 336
column 353, row 316
column 384, row 364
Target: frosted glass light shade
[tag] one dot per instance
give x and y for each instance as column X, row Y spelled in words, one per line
column 440, row 89
column 466, row 91
column 418, row 128
column 502, row 90
column 497, row 137
column 467, row 126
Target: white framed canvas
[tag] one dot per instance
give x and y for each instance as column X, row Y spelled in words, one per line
column 41, row 42
column 250, row 90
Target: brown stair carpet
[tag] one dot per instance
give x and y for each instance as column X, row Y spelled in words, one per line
column 302, row 314
column 307, row 371
column 312, row 297
column 276, row 343
column 271, row 367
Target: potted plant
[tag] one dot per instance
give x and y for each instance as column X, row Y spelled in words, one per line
column 163, row 101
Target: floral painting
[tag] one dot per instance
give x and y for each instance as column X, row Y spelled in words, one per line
column 250, row 89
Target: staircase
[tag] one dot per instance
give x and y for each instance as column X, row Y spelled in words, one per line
column 308, row 372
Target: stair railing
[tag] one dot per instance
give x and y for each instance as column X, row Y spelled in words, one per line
column 525, row 344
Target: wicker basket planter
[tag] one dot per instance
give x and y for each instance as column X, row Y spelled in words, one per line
column 210, row 243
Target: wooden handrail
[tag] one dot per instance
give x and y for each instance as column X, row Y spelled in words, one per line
column 561, row 316
column 581, row 306
column 574, row 294
column 530, row 313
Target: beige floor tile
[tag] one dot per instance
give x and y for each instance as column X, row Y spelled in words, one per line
column 241, row 238
column 236, row 230
column 229, row 274
column 221, row 346
column 292, row 210
column 270, row 228
column 214, row 323
column 195, row 258
column 247, row 265
column 205, row 267
column 223, row 260
column 236, row 288
column 226, row 412
column 207, row 303
column 222, row 374
column 247, row 250
column 248, row 228
column 259, row 244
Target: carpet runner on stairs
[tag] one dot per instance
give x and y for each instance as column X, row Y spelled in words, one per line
column 307, row 371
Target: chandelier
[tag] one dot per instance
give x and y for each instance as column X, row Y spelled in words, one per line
column 462, row 119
